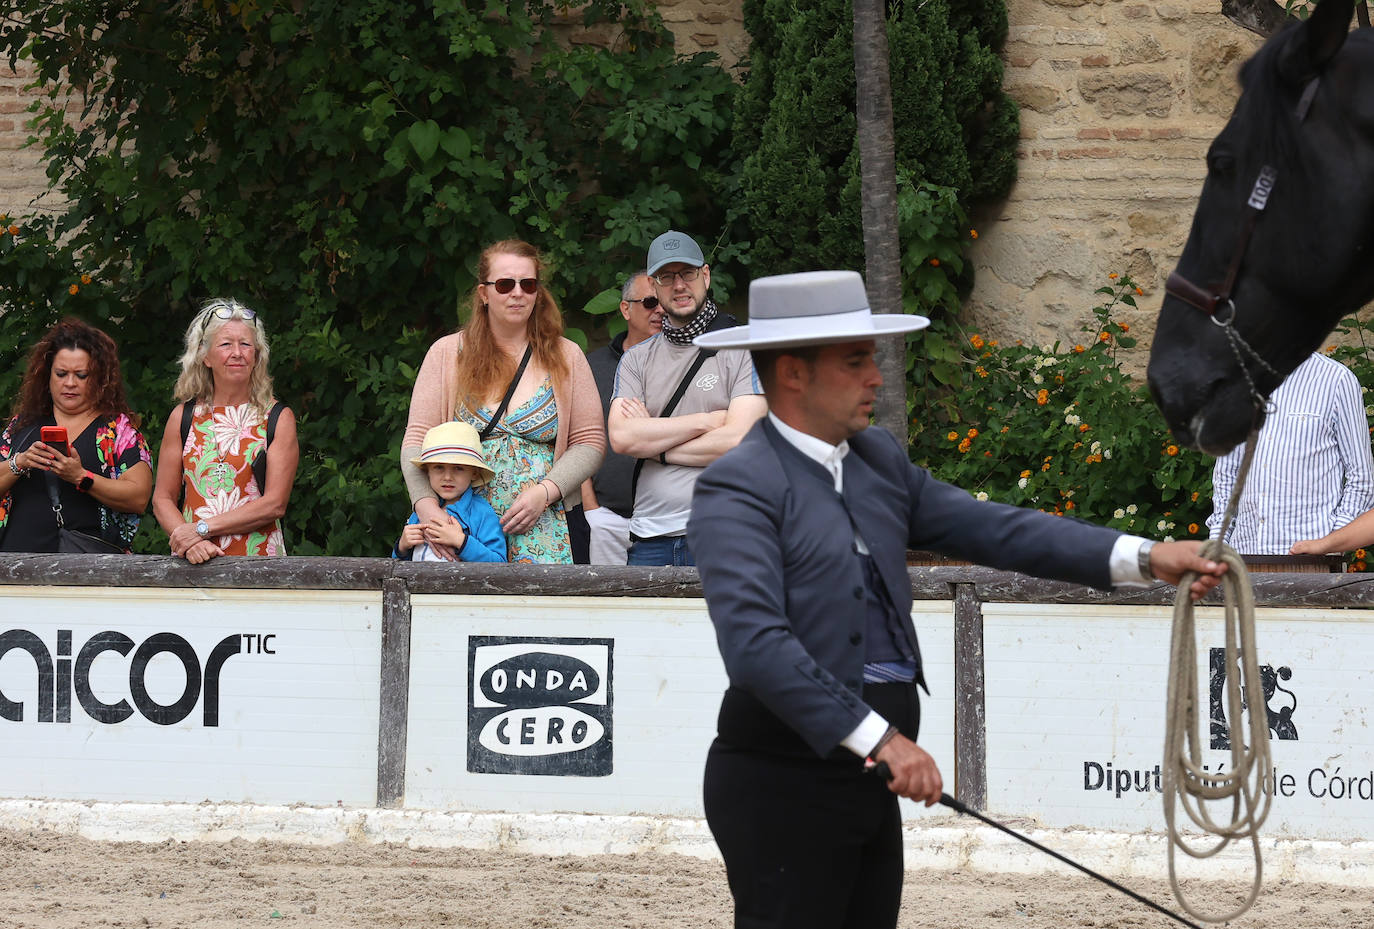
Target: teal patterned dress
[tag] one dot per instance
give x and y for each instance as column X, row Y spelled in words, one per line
column 520, row 451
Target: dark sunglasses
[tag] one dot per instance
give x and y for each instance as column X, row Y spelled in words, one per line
column 223, row 311
column 504, row 286
column 650, row 303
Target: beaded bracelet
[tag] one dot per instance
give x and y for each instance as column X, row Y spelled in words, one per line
column 887, row 737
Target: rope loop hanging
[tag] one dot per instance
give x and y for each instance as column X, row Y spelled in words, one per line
column 1185, row 782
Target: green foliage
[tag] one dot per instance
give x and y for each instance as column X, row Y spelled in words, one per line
column 955, row 132
column 1063, row 429
column 338, row 165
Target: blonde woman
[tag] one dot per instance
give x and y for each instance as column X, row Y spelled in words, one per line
column 229, row 454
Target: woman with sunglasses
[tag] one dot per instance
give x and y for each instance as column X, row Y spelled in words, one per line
column 229, row 454
column 529, row 392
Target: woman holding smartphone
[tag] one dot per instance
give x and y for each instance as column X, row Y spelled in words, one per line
column 72, row 438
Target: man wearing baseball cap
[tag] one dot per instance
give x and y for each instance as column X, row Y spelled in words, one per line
column 801, row 535
column 677, row 407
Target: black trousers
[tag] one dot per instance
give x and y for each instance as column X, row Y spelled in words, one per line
column 808, row 842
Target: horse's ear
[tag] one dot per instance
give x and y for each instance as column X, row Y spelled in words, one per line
column 1316, row 41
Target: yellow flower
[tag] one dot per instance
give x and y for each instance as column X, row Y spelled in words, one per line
column 1042, row 397
column 973, row 233
column 1195, row 496
column 981, row 371
column 73, row 289
column 952, row 436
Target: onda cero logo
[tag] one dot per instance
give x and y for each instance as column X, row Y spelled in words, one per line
column 539, row 706
column 68, row 674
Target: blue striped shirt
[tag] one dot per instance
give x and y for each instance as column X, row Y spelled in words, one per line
column 1312, row 471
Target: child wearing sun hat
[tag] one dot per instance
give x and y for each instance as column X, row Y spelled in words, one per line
column 453, row 461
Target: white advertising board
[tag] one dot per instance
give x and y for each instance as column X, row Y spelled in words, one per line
column 146, row 694
column 1076, row 703
column 591, row 705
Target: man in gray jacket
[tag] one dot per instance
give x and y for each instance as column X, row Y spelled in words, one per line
column 800, row 534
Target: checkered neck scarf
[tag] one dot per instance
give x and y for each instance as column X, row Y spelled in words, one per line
column 696, row 327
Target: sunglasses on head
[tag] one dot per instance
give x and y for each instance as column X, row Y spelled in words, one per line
column 504, row 286
column 650, row 302
column 226, row 312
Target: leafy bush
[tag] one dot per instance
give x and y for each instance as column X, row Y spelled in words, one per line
column 1063, row 430
column 338, row 165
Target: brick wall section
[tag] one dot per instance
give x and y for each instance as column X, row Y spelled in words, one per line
column 21, row 176
column 1119, row 101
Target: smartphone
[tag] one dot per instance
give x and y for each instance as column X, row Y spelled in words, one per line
column 56, row 436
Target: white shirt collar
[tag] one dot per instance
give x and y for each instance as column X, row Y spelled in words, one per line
column 830, row 457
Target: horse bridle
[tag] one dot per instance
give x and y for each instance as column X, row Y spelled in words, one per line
column 1210, row 301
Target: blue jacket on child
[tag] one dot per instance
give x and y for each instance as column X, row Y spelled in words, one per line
column 485, row 541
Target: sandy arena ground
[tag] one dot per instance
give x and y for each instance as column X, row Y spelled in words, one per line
column 55, row 881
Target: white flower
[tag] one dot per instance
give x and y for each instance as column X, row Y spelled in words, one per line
column 1072, row 420
column 234, row 425
column 1171, row 525
column 1069, row 409
column 1106, row 453
column 980, row 496
column 1168, row 538
column 1118, row 513
column 1037, row 379
column 1095, row 447
column 1161, row 525
column 1131, row 509
column 1023, row 482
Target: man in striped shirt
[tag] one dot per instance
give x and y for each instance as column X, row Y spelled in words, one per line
column 1312, row 471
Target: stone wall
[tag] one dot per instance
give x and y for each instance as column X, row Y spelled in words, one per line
column 21, row 176
column 1119, row 101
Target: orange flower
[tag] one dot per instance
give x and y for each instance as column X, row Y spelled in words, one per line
column 1104, row 337
column 1125, row 327
column 975, row 340
column 992, row 344
column 1171, row 450
column 973, row 433
column 965, row 445
column 981, row 371
column 1360, row 554
column 987, row 454
column 85, row 278
column 73, row 289
column 952, row 436
column 935, row 262
column 1084, row 427
column 1359, row 566
column 1068, row 505
column 1059, row 378
column 1139, row 292
column 1005, row 429
column 1045, row 466
column 1026, row 473
column 1078, row 349
column 1042, row 397
column 1195, row 496
column 1113, row 275
column 973, row 233
column 1192, row 528
column 14, row 230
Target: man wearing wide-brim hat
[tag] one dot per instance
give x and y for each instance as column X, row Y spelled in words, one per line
column 800, row 534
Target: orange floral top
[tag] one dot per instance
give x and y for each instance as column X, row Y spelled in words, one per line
column 217, row 472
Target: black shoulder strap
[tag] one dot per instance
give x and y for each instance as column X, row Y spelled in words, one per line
column 510, row 392
column 260, row 462
column 702, row 355
column 188, row 410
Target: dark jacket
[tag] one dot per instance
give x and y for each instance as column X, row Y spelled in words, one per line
column 612, row 480
column 774, row 545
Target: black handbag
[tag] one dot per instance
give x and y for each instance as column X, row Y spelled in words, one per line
column 73, row 541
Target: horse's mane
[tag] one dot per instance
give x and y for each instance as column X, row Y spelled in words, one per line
column 1268, row 103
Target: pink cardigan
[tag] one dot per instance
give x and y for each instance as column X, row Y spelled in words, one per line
column 577, row 449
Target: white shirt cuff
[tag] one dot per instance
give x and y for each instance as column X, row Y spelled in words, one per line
column 1125, row 563
column 866, row 735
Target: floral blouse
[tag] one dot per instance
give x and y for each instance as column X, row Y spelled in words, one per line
column 217, row 473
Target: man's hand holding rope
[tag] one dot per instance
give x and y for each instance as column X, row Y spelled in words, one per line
column 1170, row 561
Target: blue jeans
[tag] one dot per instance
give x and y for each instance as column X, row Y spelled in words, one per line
column 661, row 551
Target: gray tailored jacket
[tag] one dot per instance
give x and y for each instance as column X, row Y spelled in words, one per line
column 774, row 545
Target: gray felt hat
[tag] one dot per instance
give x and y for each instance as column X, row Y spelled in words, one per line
column 811, row 308
column 673, row 246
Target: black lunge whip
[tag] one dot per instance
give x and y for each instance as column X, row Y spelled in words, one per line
column 958, row 807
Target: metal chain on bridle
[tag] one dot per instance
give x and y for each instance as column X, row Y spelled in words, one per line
column 1186, row 782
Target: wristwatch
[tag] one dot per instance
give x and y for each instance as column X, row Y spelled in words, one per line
column 84, row 485
column 202, row 529
column 1143, row 560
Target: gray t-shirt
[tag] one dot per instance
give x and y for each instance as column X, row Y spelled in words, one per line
column 651, row 371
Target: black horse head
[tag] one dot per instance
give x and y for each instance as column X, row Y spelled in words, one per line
column 1287, row 211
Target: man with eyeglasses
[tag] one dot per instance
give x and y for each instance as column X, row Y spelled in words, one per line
column 607, row 500
column 677, row 407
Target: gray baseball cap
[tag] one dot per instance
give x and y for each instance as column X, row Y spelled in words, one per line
column 674, row 246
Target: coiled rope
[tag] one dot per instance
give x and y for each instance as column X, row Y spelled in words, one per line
column 1185, row 783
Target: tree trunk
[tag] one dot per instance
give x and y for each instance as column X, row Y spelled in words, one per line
column 878, row 160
